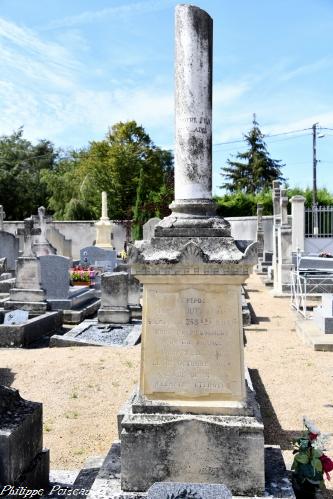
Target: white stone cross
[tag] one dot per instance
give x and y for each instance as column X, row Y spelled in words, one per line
column 27, row 232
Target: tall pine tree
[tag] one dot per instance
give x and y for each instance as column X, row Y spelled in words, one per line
column 255, row 170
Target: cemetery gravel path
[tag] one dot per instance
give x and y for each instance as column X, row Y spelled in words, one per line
column 290, row 378
column 82, row 388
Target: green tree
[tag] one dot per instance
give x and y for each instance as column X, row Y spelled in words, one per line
column 21, row 164
column 126, row 164
column 253, row 171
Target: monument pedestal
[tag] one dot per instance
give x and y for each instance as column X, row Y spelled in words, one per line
column 27, row 293
column 193, row 419
column 162, row 445
column 103, row 234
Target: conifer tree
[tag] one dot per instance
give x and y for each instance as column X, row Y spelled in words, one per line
column 254, row 170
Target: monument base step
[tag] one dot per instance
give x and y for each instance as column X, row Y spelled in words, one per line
column 311, row 335
column 83, row 311
column 102, row 477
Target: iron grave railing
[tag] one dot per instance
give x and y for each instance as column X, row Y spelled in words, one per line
column 319, row 221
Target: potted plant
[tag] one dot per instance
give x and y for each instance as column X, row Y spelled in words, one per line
column 310, row 464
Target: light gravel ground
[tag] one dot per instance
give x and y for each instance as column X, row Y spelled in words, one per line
column 82, row 388
column 290, row 378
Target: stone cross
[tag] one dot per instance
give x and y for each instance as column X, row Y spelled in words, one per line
column 2, row 216
column 27, row 232
column 104, row 206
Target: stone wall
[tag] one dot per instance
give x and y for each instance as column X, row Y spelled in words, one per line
column 246, row 228
column 83, row 233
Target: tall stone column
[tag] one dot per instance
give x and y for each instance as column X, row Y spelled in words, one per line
column 260, row 231
column 193, row 102
column 282, row 277
column 298, row 222
column 276, row 223
column 104, row 206
column 184, row 424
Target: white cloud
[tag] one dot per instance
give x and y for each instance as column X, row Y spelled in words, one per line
column 94, row 15
column 306, row 69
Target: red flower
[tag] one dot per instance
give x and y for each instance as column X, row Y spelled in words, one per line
column 313, row 436
column 327, row 465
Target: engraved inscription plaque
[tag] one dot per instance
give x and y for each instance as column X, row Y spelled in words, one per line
column 192, row 342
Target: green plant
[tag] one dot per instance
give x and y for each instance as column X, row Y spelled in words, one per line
column 80, row 276
column 310, row 463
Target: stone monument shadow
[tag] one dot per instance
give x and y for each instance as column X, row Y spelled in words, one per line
column 274, row 434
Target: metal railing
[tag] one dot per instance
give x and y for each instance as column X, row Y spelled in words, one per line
column 319, row 221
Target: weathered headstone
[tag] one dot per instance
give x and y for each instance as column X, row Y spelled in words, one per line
column 191, row 420
column 104, row 226
column 114, row 298
column 168, row 490
column 9, row 249
column 27, row 293
column 23, row 462
column 55, row 276
column 41, row 245
column 92, row 254
column 149, row 228
column 323, row 315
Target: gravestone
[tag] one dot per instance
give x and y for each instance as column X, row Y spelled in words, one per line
column 16, row 317
column 55, row 276
column 149, row 228
column 323, row 315
column 27, row 293
column 92, row 254
column 168, row 490
column 23, row 462
column 9, row 249
column 134, row 296
column 114, row 298
column 192, row 420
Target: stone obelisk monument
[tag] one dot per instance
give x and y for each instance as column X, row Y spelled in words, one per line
column 192, row 419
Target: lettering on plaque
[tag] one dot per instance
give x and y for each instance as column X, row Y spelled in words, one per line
column 192, row 342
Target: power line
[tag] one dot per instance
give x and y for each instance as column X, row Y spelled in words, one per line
column 265, row 136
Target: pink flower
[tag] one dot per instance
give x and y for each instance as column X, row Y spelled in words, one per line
column 327, row 465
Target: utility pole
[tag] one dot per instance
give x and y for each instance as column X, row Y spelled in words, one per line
column 314, row 189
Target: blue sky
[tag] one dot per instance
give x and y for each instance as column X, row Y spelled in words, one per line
column 70, row 69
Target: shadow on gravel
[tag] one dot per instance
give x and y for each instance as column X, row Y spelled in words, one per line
column 255, row 319
column 6, row 376
column 273, row 432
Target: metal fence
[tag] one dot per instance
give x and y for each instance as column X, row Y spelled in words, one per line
column 319, row 221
